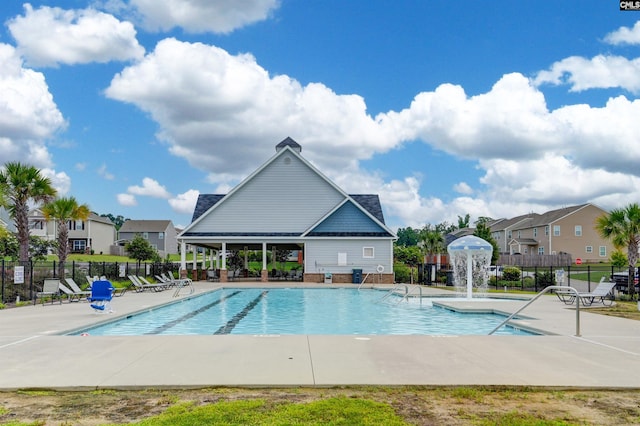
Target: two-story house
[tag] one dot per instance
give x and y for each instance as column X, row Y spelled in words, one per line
column 161, row 234
column 96, row 234
column 567, row 230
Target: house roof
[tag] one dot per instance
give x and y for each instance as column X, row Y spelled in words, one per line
column 290, row 143
column 370, row 202
column 102, row 219
column 145, row 225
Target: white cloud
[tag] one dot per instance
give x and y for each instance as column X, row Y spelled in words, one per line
column 28, row 114
column 197, row 16
column 624, row 35
column 599, row 72
column 102, row 171
column 50, row 36
column 149, row 188
column 185, row 203
column 463, row 188
column 59, row 180
column 127, row 200
column 224, row 113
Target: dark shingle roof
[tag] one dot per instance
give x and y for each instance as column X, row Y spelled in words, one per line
column 289, row 142
column 204, row 203
column 132, row 225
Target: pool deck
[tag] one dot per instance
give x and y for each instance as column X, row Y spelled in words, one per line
column 34, row 356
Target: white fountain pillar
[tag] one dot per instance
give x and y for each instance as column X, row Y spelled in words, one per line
column 470, row 256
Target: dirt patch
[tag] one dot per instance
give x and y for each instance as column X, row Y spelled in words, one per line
column 417, row 405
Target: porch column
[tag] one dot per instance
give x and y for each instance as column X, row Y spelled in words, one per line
column 264, row 274
column 183, row 259
column 246, row 260
column 223, row 260
column 194, row 271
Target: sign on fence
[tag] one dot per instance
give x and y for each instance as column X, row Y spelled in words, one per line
column 18, row 275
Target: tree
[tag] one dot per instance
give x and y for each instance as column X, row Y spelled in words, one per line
column 463, row 222
column 484, row 232
column 622, row 227
column 117, row 220
column 431, row 240
column 140, row 249
column 20, row 185
column 61, row 211
column 407, row 237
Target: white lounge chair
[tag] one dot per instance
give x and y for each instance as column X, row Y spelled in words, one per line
column 51, row 288
column 599, row 295
column 76, row 288
column 72, row 296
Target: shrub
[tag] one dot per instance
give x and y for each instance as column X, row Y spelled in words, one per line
column 545, row 278
column 402, row 272
column 511, row 273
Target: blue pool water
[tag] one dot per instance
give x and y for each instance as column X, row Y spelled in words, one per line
column 301, row 311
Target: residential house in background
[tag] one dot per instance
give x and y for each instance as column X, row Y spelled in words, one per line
column 569, row 230
column 96, row 234
column 161, row 234
column 5, row 221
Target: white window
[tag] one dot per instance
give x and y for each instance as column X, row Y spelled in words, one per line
column 588, row 249
column 535, row 232
column 526, row 250
column 161, row 235
column 602, row 251
column 556, row 230
column 342, row 259
column 368, row 252
column 79, row 245
column 540, row 250
column 519, row 235
column 145, row 235
column 578, row 230
column 546, row 230
column 509, row 236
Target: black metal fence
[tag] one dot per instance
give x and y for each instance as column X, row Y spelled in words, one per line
column 20, row 281
column 527, row 278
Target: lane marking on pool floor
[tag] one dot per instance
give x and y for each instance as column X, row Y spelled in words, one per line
column 190, row 315
column 230, row 325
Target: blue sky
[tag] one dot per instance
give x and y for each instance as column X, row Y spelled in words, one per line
column 442, row 108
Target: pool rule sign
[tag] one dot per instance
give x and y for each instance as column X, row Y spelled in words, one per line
column 18, row 275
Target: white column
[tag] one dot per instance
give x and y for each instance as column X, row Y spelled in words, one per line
column 183, row 255
column 264, row 255
column 224, row 256
column 195, row 258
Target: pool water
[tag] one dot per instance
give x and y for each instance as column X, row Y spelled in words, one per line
column 302, row 311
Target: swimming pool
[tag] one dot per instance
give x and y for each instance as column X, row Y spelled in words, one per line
column 261, row 311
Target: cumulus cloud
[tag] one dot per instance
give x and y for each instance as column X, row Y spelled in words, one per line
column 199, row 16
column 49, row 36
column 149, row 188
column 463, row 188
column 127, row 200
column 599, row 72
column 624, row 35
column 225, row 113
column 28, row 114
column 59, row 180
column 185, row 203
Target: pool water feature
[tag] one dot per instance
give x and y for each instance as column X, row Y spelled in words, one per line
column 260, row 311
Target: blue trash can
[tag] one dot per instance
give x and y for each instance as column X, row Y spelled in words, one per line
column 357, row 276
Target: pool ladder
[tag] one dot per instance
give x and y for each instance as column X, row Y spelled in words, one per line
column 537, row 296
column 183, row 282
column 407, row 293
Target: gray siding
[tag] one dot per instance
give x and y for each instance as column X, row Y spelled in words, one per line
column 322, row 255
column 280, row 198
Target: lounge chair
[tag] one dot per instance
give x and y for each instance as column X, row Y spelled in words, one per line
column 599, row 295
column 140, row 286
column 76, row 288
column 101, row 295
column 161, row 285
column 51, row 288
column 71, row 295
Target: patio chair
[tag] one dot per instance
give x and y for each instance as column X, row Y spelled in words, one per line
column 139, row 286
column 160, row 285
column 76, row 288
column 51, row 288
column 101, row 295
column 599, row 295
column 72, row 296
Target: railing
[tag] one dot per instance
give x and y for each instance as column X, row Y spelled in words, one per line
column 553, row 287
column 407, row 292
column 363, row 280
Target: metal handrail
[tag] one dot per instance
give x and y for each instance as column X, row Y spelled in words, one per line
column 552, row 287
column 363, row 280
column 396, row 287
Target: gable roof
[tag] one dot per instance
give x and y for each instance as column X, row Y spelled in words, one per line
column 132, row 225
column 327, row 197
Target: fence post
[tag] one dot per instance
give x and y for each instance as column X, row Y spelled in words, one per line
column 54, row 269
column 589, row 278
column 2, row 300
column 31, row 280
column 569, row 275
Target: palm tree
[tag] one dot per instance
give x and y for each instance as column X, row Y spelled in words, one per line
column 22, row 184
column 63, row 210
column 431, row 240
column 622, row 227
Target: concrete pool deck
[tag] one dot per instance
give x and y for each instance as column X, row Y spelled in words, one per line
column 34, row 356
